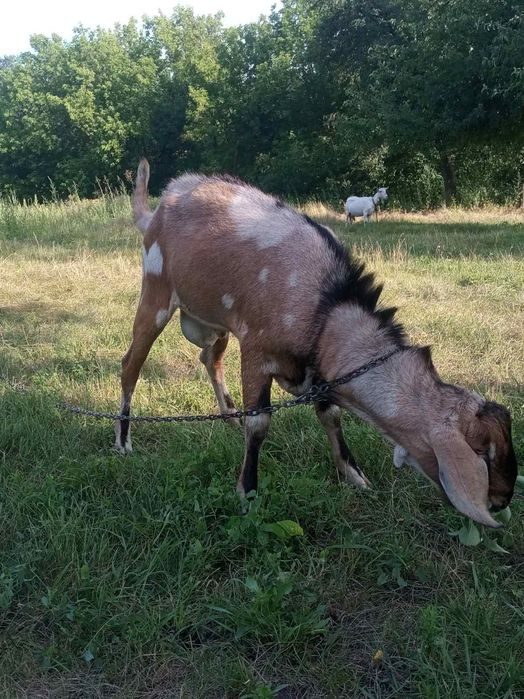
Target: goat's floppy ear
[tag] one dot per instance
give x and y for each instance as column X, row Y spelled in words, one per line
column 463, row 476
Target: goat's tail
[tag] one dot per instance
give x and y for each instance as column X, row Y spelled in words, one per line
column 141, row 212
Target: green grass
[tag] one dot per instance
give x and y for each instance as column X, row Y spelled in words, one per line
column 138, row 576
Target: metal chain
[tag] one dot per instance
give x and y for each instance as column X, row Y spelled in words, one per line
column 315, row 394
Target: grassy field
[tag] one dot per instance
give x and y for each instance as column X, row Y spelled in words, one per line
column 138, row 577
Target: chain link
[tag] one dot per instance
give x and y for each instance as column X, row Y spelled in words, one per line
column 318, row 392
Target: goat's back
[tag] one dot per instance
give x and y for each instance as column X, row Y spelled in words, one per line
column 241, row 259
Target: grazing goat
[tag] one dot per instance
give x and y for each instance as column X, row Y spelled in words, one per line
column 365, row 206
column 235, row 260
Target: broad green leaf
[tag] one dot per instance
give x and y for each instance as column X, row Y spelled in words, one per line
column 469, row 535
column 503, row 516
column 492, row 545
column 222, row 610
column 382, row 578
column 252, row 584
column 520, row 482
column 284, row 529
column 88, row 656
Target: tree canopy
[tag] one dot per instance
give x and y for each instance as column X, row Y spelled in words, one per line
column 317, row 99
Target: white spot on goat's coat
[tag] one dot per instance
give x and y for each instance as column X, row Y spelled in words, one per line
column 288, row 319
column 162, row 317
column 256, row 218
column 264, row 273
column 293, row 279
column 242, row 330
column 256, row 424
column 153, row 260
column 228, row 300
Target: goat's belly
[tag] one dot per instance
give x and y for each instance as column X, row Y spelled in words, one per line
column 357, row 210
column 198, row 332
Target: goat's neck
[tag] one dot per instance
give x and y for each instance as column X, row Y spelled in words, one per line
column 351, row 337
column 390, row 395
column 376, row 198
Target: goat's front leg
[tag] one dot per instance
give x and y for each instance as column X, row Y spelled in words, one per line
column 256, row 392
column 329, row 416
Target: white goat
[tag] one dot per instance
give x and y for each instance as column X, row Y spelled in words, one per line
column 364, row 206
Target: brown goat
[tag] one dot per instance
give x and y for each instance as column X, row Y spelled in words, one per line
column 235, row 260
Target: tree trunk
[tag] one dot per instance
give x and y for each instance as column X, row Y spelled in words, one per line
column 447, row 167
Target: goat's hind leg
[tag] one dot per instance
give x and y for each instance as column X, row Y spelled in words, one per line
column 212, row 358
column 213, row 343
column 153, row 314
column 329, row 416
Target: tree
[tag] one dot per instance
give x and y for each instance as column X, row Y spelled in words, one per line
column 429, row 75
column 324, row 99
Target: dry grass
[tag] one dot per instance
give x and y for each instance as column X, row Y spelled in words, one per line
column 452, row 215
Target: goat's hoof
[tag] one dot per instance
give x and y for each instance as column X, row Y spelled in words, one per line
column 352, row 474
column 245, row 498
column 244, row 502
column 400, row 456
column 123, row 449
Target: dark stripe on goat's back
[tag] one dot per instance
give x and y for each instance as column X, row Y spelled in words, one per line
column 334, row 244
column 347, row 281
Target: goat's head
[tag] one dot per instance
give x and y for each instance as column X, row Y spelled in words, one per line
column 460, row 441
column 382, row 194
column 467, row 452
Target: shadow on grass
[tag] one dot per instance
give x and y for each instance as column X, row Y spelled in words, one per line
column 116, row 235
column 76, row 368
column 30, row 325
column 38, row 312
column 141, row 548
column 446, row 240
